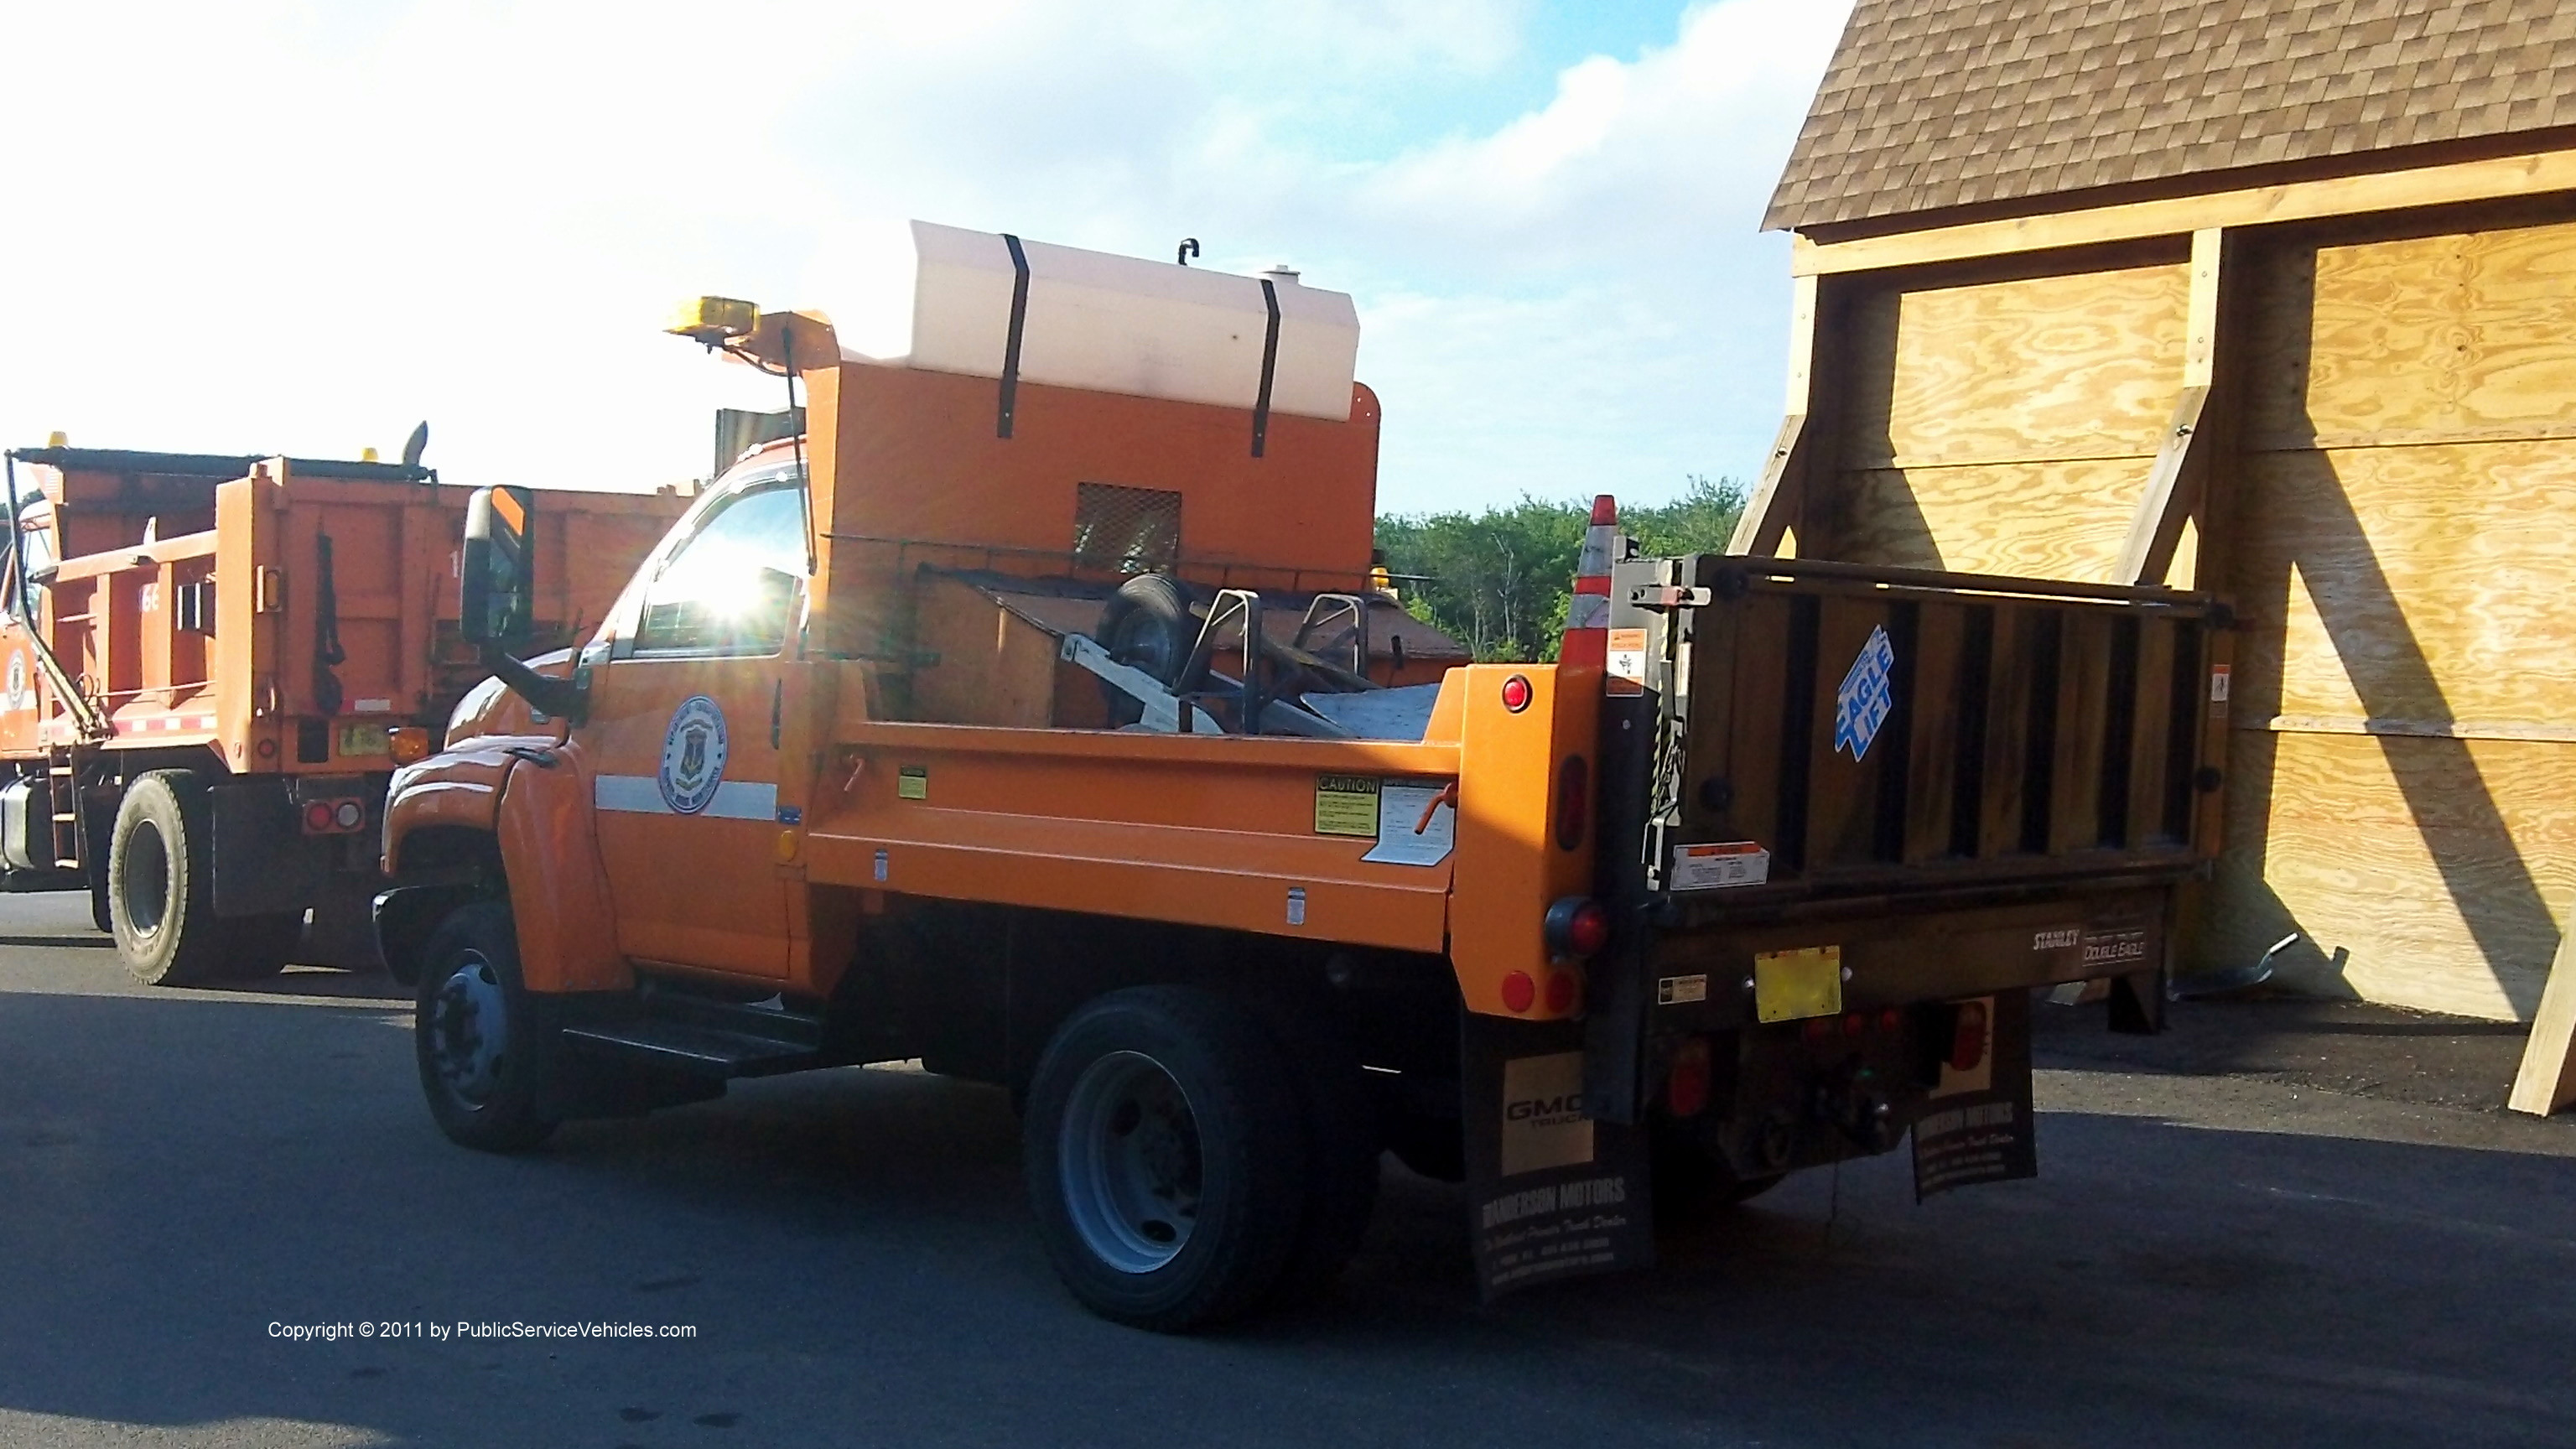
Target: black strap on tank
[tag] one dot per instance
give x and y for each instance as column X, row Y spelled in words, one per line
column 1269, row 365
column 1011, row 348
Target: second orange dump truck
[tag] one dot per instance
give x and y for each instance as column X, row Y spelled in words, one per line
column 1033, row 716
column 213, row 665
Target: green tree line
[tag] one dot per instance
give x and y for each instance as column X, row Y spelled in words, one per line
column 1498, row 581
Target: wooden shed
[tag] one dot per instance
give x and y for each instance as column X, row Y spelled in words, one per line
column 2271, row 297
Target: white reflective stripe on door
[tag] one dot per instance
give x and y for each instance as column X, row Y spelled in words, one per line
column 642, row 795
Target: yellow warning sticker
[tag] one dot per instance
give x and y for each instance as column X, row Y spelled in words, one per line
column 1346, row 805
column 912, row 782
column 1794, row 985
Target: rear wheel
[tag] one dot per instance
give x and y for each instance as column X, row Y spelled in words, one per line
column 1165, row 1153
column 486, row 1045
column 160, row 885
column 260, row 946
column 1342, row 1151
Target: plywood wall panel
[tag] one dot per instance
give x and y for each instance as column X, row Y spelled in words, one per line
column 2076, row 366
column 2422, row 872
column 2037, row 520
column 2439, row 336
column 2418, row 583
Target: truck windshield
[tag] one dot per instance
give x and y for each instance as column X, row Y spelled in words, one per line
column 729, row 588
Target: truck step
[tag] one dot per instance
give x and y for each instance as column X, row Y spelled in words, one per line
column 705, row 1038
column 760, row 1019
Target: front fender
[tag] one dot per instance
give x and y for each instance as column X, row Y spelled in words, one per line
column 458, row 787
column 558, row 889
column 531, row 795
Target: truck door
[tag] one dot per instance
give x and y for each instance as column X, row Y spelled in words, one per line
column 683, row 733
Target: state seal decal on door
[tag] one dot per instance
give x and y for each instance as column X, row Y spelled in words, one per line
column 693, row 755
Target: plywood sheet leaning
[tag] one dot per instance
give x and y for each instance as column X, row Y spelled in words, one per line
column 2406, row 762
column 2415, row 879
column 2547, row 1081
column 2005, row 426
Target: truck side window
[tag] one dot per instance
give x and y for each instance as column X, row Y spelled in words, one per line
column 729, row 588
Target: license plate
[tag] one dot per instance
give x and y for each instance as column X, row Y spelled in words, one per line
column 365, row 740
column 1794, row 985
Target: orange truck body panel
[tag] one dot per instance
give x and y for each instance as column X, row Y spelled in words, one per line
column 906, row 469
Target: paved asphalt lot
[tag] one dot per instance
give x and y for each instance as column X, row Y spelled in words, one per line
column 2205, row 1260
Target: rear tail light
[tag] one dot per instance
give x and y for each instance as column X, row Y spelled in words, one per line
column 1686, row 1085
column 1564, row 991
column 1573, row 801
column 1517, row 693
column 340, row 816
column 1968, row 1037
column 1520, row 993
column 1577, row 927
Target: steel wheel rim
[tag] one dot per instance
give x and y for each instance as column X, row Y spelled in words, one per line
column 1131, row 1162
column 147, row 879
column 469, row 1030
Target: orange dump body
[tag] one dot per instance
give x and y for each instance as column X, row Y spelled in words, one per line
column 279, row 614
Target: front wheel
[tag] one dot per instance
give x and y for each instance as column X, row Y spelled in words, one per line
column 485, row 1044
column 1165, row 1155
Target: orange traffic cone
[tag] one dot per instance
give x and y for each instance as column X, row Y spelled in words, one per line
column 1587, row 614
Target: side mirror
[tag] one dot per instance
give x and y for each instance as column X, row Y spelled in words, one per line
column 500, row 568
column 500, row 598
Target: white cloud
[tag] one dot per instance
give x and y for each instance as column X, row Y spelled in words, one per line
column 301, row 226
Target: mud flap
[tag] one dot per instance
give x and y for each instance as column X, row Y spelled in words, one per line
column 1551, row 1193
column 1980, row 1126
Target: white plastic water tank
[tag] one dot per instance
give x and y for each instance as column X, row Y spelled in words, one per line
column 1127, row 325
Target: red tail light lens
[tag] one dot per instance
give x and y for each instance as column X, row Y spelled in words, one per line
column 1564, row 991
column 1686, row 1086
column 1519, row 991
column 1573, row 801
column 1968, row 1037
column 317, row 817
column 1517, row 693
column 1577, row 927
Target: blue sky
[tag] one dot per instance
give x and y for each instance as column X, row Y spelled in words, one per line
column 295, row 226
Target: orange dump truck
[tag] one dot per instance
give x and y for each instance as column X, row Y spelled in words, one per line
column 1033, row 716
column 214, row 664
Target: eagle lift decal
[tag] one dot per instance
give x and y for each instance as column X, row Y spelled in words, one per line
column 693, row 755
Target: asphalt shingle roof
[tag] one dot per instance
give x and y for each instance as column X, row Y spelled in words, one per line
column 1932, row 104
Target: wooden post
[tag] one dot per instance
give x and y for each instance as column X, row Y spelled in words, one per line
column 1775, row 502
column 2157, row 527
column 2547, row 1081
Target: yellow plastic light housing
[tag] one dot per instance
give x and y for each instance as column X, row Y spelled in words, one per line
column 712, row 320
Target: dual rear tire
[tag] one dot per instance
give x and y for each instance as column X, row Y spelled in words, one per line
column 160, row 892
column 1190, row 1160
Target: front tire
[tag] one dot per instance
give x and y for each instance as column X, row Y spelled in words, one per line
column 486, row 1045
column 1166, row 1158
